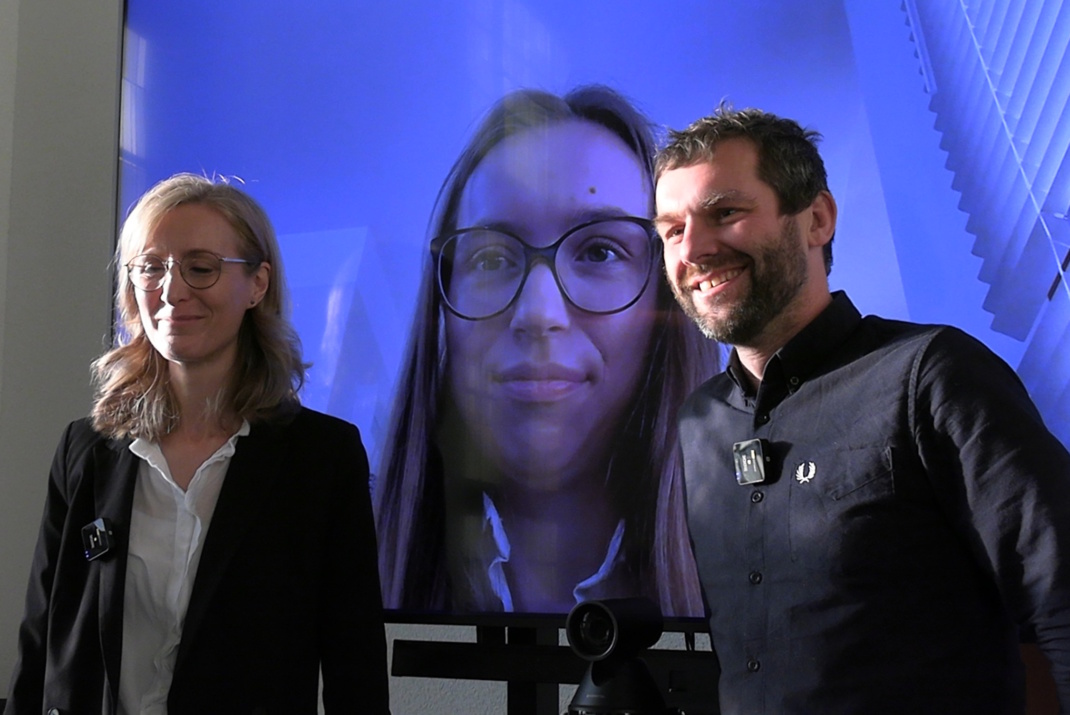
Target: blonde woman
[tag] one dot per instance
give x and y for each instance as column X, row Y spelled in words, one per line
column 207, row 543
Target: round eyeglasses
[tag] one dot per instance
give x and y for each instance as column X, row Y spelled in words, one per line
column 199, row 269
column 600, row 266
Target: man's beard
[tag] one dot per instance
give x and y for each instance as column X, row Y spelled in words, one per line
column 778, row 273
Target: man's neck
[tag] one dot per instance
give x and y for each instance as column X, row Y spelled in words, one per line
column 753, row 362
column 757, row 353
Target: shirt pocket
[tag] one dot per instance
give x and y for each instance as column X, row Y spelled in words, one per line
column 842, row 505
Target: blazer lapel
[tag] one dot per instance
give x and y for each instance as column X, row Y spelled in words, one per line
column 253, row 469
column 115, row 473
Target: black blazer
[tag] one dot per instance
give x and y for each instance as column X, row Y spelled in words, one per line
column 287, row 582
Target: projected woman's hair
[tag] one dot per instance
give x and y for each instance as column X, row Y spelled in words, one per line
column 531, row 460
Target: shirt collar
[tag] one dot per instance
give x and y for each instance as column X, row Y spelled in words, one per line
column 495, row 569
column 805, row 352
column 808, row 350
column 150, row 451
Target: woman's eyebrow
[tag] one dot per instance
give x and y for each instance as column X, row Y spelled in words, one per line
column 573, row 218
column 595, row 213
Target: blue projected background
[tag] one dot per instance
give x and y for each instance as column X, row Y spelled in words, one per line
column 945, row 138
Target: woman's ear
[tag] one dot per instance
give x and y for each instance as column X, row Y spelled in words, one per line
column 261, row 281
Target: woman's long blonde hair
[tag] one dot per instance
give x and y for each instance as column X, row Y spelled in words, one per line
column 133, row 393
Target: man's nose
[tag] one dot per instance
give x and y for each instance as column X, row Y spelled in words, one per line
column 540, row 308
column 695, row 243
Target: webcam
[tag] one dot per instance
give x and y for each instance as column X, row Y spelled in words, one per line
column 611, row 634
column 621, row 627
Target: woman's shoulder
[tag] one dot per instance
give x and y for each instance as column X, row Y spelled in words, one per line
column 322, row 420
column 305, row 422
column 317, row 436
column 83, row 447
column 80, row 435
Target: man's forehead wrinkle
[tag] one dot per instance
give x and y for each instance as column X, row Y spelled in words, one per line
column 713, row 198
column 703, row 203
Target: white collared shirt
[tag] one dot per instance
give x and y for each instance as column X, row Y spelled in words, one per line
column 167, row 531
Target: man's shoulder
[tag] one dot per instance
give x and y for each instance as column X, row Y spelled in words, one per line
column 930, row 338
column 868, row 333
column 894, row 329
column 927, row 355
column 878, row 333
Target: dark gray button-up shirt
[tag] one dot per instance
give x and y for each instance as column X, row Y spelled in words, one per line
column 914, row 518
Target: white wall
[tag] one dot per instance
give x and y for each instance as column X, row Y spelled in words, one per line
column 59, row 100
column 59, row 78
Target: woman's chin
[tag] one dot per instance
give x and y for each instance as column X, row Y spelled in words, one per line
column 553, row 463
column 537, row 451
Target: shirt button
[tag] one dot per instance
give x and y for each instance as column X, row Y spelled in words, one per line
column 753, row 665
column 793, row 381
column 762, row 418
column 755, row 577
column 756, row 497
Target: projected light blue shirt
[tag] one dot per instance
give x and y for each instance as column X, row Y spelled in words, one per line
column 594, row 586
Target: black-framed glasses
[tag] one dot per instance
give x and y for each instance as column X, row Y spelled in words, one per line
column 601, row 266
column 199, row 269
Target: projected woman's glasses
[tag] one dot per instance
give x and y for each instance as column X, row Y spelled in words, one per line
column 601, row 266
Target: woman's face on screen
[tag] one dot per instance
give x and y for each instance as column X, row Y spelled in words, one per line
column 543, row 387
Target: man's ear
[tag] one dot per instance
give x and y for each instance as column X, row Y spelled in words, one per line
column 822, row 225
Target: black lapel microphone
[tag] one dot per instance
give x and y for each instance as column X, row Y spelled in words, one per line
column 98, row 538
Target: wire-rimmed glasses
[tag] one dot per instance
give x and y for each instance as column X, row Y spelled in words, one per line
column 199, row 269
column 600, row 266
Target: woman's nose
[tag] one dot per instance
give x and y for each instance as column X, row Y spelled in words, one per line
column 540, row 308
column 173, row 287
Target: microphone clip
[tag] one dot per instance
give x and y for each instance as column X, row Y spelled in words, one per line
column 749, row 458
column 97, row 538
